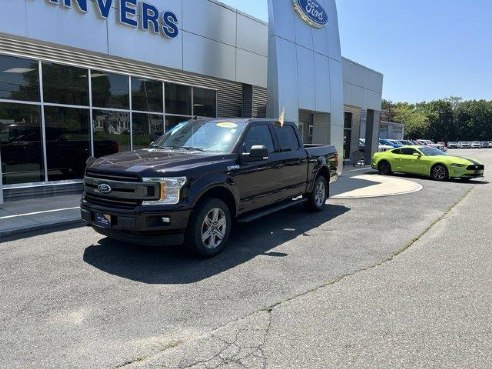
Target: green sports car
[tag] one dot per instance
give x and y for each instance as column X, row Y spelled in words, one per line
column 426, row 161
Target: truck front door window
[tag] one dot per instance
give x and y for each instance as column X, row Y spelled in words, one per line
column 259, row 135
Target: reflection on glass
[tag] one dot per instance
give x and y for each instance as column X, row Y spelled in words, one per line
column 21, row 143
column 178, row 99
column 173, row 121
column 348, row 120
column 19, row 79
column 109, row 90
column 111, row 132
column 211, row 135
column 63, row 84
column 204, row 102
column 67, row 142
column 146, row 95
column 146, row 129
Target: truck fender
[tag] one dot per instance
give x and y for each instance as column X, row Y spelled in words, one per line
column 220, row 186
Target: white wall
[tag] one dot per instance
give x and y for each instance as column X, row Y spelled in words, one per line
column 362, row 87
column 214, row 39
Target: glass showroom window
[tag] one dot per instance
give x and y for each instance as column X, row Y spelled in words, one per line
column 109, row 90
column 146, row 128
column 172, row 121
column 178, row 99
column 204, row 102
column 146, row 95
column 67, row 142
column 63, row 84
column 111, row 132
column 19, row 79
column 21, row 143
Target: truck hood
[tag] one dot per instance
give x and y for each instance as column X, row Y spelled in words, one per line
column 158, row 160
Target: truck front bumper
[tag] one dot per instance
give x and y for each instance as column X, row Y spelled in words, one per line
column 144, row 225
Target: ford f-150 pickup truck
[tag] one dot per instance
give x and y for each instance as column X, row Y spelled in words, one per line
column 194, row 182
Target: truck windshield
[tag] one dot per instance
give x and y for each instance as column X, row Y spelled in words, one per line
column 202, row 135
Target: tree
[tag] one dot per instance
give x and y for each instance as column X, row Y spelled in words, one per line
column 415, row 120
column 441, row 120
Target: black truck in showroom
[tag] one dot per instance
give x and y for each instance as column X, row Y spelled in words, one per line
column 194, row 182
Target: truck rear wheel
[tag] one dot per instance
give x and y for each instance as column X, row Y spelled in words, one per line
column 209, row 228
column 316, row 199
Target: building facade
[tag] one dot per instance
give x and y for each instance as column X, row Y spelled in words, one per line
column 82, row 78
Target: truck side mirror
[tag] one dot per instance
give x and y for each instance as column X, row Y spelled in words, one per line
column 257, row 153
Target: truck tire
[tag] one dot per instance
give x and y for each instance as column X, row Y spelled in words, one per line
column 316, row 199
column 209, row 228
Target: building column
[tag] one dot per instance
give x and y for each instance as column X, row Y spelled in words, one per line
column 321, row 128
column 372, row 134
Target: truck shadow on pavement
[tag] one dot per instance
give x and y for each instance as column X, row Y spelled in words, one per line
column 348, row 184
column 173, row 265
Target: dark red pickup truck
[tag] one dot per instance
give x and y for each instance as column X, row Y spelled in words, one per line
column 195, row 181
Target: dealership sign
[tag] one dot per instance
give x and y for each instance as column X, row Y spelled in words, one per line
column 131, row 13
column 311, row 12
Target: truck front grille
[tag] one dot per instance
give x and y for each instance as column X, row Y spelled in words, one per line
column 112, row 202
column 118, row 192
column 125, row 177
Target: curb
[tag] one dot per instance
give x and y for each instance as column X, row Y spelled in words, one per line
column 41, row 227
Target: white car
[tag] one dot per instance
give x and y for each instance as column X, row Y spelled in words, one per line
column 431, row 143
column 476, row 145
column 452, row 145
column 362, row 143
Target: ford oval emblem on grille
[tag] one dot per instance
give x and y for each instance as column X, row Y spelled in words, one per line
column 104, row 188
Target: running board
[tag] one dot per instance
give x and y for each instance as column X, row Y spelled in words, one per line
column 270, row 210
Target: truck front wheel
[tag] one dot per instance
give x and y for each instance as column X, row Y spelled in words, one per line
column 209, row 228
column 316, row 199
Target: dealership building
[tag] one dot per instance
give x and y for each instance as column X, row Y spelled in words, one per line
column 81, row 78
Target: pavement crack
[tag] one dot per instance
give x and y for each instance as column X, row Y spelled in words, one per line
column 240, row 341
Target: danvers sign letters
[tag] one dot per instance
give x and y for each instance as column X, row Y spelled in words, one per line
column 311, row 12
column 130, row 13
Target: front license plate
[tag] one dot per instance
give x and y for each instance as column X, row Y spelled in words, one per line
column 103, row 220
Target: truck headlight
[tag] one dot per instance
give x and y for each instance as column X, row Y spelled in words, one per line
column 458, row 165
column 169, row 190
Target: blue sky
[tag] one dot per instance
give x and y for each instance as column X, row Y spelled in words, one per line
column 426, row 49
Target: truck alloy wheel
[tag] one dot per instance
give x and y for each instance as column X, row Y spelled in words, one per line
column 316, row 199
column 214, row 228
column 209, row 228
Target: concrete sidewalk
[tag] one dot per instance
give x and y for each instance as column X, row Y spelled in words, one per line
column 44, row 213
column 21, row 216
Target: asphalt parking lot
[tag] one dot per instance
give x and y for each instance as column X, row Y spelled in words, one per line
column 73, row 299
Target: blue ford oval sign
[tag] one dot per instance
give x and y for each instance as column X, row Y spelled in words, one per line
column 311, row 12
column 104, row 188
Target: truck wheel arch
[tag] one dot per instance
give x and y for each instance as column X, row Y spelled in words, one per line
column 324, row 172
column 222, row 193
